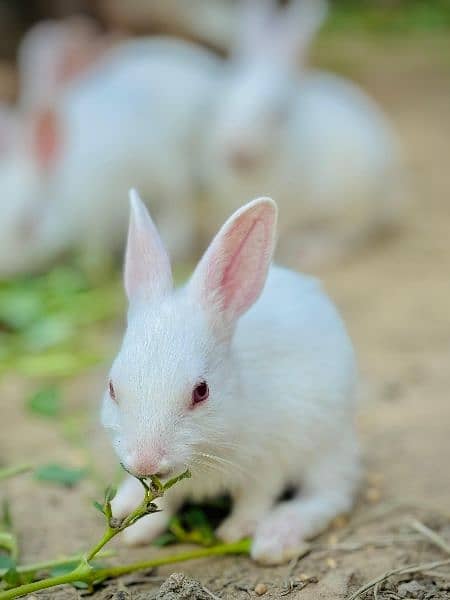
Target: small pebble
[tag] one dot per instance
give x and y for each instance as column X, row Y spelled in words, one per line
column 373, row 495
column 261, row 589
column 375, row 479
column 340, row 522
column 304, row 577
column 333, row 539
column 331, row 563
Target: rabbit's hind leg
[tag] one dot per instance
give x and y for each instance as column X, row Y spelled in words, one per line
column 327, row 492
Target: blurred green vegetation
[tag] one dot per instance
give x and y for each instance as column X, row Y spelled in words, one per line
column 51, row 325
column 57, row 324
column 390, row 16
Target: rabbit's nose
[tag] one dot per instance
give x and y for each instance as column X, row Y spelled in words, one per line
column 242, row 159
column 144, row 465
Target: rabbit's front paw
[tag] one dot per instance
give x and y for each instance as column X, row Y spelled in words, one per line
column 278, row 539
column 236, row 528
column 146, row 529
column 128, row 497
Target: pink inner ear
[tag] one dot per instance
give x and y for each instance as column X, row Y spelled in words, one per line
column 46, row 139
column 77, row 61
column 235, row 266
column 246, row 262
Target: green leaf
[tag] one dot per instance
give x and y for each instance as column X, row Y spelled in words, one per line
column 6, row 562
column 98, row 506
column 185, row 475
column 55, row 363
column 64, row 569
column 68, row 568
column 61, row 475
column 165, row 539
column 110, row 493
column 81, row 585
column 8, row 542
column 6, row 518
column 11, row 577
column 48, row 331
column 46, row 402
column 7, row 472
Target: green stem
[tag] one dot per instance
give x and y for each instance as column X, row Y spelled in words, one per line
column 13, row 471
column 109, row 534
column 241, row 547
column 51, row 564
column 28, row 588
column 9, row 543
column 89, row 575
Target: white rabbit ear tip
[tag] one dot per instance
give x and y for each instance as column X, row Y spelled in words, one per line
column 136, row 203
column 265, row 200
column 134, row 197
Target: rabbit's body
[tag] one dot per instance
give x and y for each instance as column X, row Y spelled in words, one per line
column 313, row 140
column 144, row 135
column 335, row 162
column 133, row 118
column 280, row 412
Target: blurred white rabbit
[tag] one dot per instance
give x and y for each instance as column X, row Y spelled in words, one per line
column 209, row 21
column 9, row 125
column 131, row 119
column 310, row 139
column 52, row 54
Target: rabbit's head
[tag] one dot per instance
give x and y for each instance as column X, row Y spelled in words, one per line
column 255, row 104
column 25, row 175
column 52, row 55
column 170, row 386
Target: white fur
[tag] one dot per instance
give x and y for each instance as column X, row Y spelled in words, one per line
column 9, row 123
column 211, row 22
column 282, row 383
column 133, row 119
column 52, row 53
column 312, row 140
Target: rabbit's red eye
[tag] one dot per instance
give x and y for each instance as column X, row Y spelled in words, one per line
column 200, row 393
column 112, row 391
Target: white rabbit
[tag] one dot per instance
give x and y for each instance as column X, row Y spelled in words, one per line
column 9, row 124
column 313, row 140
column 246, row 375
column 208, row 21
column 133, row 117
column 53, row 53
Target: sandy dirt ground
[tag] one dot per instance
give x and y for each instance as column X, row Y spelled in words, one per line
column 395, row 298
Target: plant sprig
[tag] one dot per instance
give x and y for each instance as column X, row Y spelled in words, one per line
column 90, row 574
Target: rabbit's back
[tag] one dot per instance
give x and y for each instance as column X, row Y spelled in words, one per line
column 342, row 141
column 296, row 360
column 340, row 158
column 128, row 122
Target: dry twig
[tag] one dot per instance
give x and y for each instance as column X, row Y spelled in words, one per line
column 418, row 568
column 431, row 535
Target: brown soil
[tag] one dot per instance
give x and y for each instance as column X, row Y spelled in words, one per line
column 396, row 300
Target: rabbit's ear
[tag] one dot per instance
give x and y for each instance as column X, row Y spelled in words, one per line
column 256, row 21
column 45, row 138
column 232, row 273
column 52, row 54
column 147, row 266
column 299, row 22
